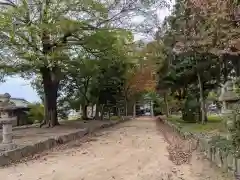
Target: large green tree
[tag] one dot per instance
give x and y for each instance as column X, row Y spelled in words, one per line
column 191, row 42
column 41, row 37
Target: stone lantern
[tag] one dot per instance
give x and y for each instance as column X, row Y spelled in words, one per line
column 229, row 98
column 6, row 120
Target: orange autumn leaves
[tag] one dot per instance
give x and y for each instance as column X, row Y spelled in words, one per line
column 142, row 77
column 141, row 80
column 224, row 15
column 213, row 5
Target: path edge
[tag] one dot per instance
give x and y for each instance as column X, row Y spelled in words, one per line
column 15, row 155
column 225, row 161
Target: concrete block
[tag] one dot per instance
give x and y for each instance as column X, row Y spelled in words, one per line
column 237, row 165
column 204, row 144
column 181, row 133
column 13, row 155
column 188, row 135
column 201, row 144
column 103, row 126
column 27, row 150
column 81, row 133
column 4, row 160
column 34, row 148
column 209, row 152
column 213, row 153
column 64, row 138
column 8, row 146
column 50, row 143
column 230, row 161
column 218, row 158
column 224, row 161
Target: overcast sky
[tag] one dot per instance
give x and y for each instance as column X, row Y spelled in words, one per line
column 19, row 88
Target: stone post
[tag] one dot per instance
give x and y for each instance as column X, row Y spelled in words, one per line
column 224, row 105
column 6, row 122
column 7, row 134
column 228, row 97
column 237, row 167
column 134, row 110
column 80, row 111
column 152, row 112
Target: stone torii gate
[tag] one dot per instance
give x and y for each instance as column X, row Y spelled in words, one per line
column 145, row 102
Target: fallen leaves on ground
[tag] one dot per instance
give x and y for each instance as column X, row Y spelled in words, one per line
column 180, row 150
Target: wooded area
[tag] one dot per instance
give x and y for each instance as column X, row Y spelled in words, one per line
column 82, row 53
column 78, row 52
column 87, row 53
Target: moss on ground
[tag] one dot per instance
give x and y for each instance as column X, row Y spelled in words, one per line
column 115, row 118
column 215, row 124
column 214, row 129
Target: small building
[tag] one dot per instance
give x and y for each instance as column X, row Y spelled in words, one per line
column 20, row 108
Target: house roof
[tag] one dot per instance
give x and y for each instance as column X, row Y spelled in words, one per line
column 18, row 102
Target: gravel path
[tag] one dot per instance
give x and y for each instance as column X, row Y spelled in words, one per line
column 135, row 150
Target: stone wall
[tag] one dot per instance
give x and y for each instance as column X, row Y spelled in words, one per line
column 224, row 160
column 15, row 155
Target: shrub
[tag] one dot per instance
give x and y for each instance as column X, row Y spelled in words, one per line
column 115, row 118
column 191, row 110
column 36, row 113
column 157, row 111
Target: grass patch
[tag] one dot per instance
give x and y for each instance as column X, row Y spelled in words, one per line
column 115, row 118
column 214, row 129
column 215, row 124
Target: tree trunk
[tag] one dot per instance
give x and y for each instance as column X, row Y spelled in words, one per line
column 92, row 114
column 50, row 84
column 119, row 112
column 80, row 111
column 109, row 113
column 126, row 108
column 51, row 96
column 202, row 102
column 97, row 112
column 45, row 120
column 102, row 112
column 166, row 104
column 84, row 114
column 198, row 119
column 115, row 110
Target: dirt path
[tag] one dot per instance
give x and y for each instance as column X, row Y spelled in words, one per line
column 135, row 150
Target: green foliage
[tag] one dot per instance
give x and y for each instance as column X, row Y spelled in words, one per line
column 233, row 125
column 115, row 118
column 222, row 143
column 212, row 96
column 157, row 110
column 61, row 42
column 36, row 113
column 191, row 110
column 214, row 126
column 194, row 35
column 184, row 68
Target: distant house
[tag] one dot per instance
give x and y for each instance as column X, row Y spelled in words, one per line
column 19, row 102
column 20, row 108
